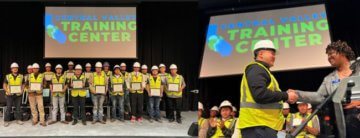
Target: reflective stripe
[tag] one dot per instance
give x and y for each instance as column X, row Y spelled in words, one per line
column 244, row 94
column 261, row 106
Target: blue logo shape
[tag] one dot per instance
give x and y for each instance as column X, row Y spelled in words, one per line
column 53, row 31
column 216, row 43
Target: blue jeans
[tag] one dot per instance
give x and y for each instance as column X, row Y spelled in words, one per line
column 154, row 110
column 98, row 110
column 117, row 103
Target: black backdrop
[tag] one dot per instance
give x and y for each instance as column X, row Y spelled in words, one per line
column 167, row 33
column 343, row 19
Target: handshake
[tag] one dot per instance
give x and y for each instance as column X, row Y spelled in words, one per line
column 292, row 96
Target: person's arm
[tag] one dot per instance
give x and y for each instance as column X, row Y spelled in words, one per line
column 228, row 131
column 211, row 131
column 314, row 97
column 258, row 80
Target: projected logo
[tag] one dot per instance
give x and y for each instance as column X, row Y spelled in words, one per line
column 217, row 43
column 53, row 31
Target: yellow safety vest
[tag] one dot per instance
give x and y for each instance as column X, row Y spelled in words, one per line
column 108, row 74
column 78, row 92
column 17, row 81
column 176, row 80
column 115, row 80
column 126, row 75
column 39, row 79
column 201, row 122
column 253, row 114
column 138, row 79
column 155, row 84
column 99, row 80
column 303, row 133
column 62, row 81
column 228, row 124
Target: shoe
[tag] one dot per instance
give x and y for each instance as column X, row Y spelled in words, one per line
column 139, row 119
column 93, row 122
column 74, row 122
column 122, row 119
column 151, row 120
column 6, row 124
column 158, row 120
column 178, row 121
column 112, row 120
column 34, row 123
column 171, row 120
column 52, row 122
column 64, row 122
column 102, row 122
column 43, row 124
column 84, row 122
column 132, row 119
column 19, row 122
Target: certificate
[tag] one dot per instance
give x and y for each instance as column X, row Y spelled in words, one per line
column 77, row 84
column 155, row 92
column 296, row 122
column 136, row 86
column 48, row 77
column 118, row 87
column 15, row 89
column 69, row 74
column 35, row 86
column 100, row 89
column 57, row 87
column 173, row 87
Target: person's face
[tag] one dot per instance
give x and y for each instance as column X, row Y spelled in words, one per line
column 35, row 70
column 78, row 72
column 173, row 71
column 154, row 72
column 71, row 67
column 14, row 70
column 88, row 69
column 136, row 69
column 30, row 71
column 98, row 70
column 117, row 71
column 123, row 68
column 47, row 69
column 267, row 56
column 334, row 58
column 144, row 71
column 310, row 110
column 213, row 113
column 285, row 112
column 303, row 109
column 162, row 69
column 58, row 71
column 106, row 68
column 225, row 112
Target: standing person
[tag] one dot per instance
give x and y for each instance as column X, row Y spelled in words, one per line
column 107, row 70
column 144, row 71
column 78, row 95
column 70, row 72
column 14, row 87
column 214, row 112
column 175, row 85
column 163, row 74
column 312, row 128
column 136, row 87
column 58, row 96
column 202, row 122
column 261, row 98
column 29, row 70
column 99, row 79
column 88, row 73
column 155, row 89
column 117, row 85
column 36, row 84
column 224, row 126
column 127, row 107
column 48, row 75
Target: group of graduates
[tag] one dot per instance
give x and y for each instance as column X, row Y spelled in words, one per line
column 125, row 89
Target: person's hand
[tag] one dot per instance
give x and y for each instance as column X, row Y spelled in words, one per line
column 353, row 104
column 292, row 96
column 213, row 122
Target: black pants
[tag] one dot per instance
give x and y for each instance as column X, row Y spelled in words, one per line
column 10, row 101
column 259, row 132
column 137, row 101
column 352, row 123
column 79, row 101
column 174, row 104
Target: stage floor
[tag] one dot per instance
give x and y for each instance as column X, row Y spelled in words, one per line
column 116, row 128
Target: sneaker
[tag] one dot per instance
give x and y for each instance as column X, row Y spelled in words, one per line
column 178, row 121
column 6, row 124
column 139, row 119
column 34, row 123
column 93, row 122
column 132, row 119
column 102, row 122
column 43, row 124
column 19, row 122
column 171, row 120
column 52, row 122
column 158, row 120
column 84, row 122
column 122, row 119
column 112, row 120
column 151, row 120
column 64, row 122
column 74, row 122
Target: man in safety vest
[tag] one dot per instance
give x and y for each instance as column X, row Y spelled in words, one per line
column 58, row 88
column 312, row 128
column 98, row 97
column 14, row 87
column 117, row 86
column 223, row 126
column 127, row 106
column 70, row 72
column 144, row 71
column 202, row 122
column 155, row 87
column 175, row 85
column 78, row 95
column 48, row 75
column 261, row 98
column 88, row 73
column 214, row 112
column 107, row 70
column 136, row 85
column 163, row 102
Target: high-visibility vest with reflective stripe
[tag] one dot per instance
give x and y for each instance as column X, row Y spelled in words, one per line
column 108, row 74
column 99, row 79
column 138, row 79
column 228, row 124
column 201, row 122
column 39, row 79
column 78, row 92
column 126, row 75
column 155, row 84
column 176, row 80
column 17, row 81
column 62, row 81
column 253, row 114
column 117, row 80
column 303, row 133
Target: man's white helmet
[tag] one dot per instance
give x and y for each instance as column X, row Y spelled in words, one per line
column 98, row 65
column 225, row 103
column 47, row 65
column 78, row 67
column 29, row 67
column 136, row 65
column 116, row 66
column 286, row 105
column 154, row 67
column 214, row 108
column 162, row 65
column 58, row 66
column 88, row 65
column 173, row 66
column 71, row 63
column 200, row 106
column 264, row 44
column 144, row 67
column 35, row 66
column 123, row 65
column 14, row 65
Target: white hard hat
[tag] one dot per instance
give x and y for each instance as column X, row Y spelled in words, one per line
column 162, row 65
column 58, row 66
column 78, row 67
column 154, row 67
column 136, row 65
column 35, row 66
column 200, row 106
column 123, row 65
column 116, row 66
column 98, row 65
column 144, row 67
column 234, row 108
column 29, row 67
column 173, row 66
column 225, row 104
column 286, row 105
column 106, row 64
column 301, row 103
column 309, row 106
column 88, row 65
column 264, row 44
column 47, row 65
column 71, row 63
column 14, row 65
column 214, row 108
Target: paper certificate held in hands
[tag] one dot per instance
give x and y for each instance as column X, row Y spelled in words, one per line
column 100, row 89
column 136, row 86
column 69, row 74
column 15, row 89
column 118, row 87
column 173, row 87
column 48, row 77
column 57, row 87
column 35, row 86
column 77, row 84
column 155, row 92
column 296, row 122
